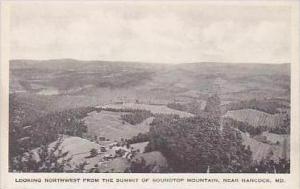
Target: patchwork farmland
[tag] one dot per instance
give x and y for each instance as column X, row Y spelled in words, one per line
column 99, row 116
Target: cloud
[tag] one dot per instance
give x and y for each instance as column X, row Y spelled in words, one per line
column 150, row 33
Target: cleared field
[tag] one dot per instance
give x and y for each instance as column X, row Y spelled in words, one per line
column 283, row 149
column 78, row 148
column 256, row 118
column 43, row 87
column 259, row 150
column 274, row 138
column 263, row 150
column 110, row 125
column 156, row 109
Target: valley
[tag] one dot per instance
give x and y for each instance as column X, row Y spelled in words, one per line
column 101, row 116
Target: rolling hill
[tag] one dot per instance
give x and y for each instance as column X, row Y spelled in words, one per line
column 103, row 81
column 256, row 118
column 111, row 126
column 97, row 103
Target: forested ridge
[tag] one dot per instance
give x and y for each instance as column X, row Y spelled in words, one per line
column 197, row 144
column 205, row 142
column 27, row 133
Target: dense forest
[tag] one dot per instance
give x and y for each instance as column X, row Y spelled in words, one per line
column 27, row 133
column 46, row 160
column 202, row 143
column 141, row 137
column 229, row 117
column 198, row 144
column 136, row 117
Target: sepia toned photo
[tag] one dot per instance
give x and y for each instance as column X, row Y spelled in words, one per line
column 149, row 88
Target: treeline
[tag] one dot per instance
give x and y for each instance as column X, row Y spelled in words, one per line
column 285, row 128
column 212, row 107
column 46, row 129
column 244, row 127
column 141, row 137
column 268, row 106
column 133, row 116
column 193, row 108
column 270, row 166
column 198, row 144
column 177, row 106
column 136, row 117
column 127, row 110
column 280, row 130
column 22, row 111
column 25, row 135
column 45, row 159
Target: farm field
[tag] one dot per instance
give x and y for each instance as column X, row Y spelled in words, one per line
column 134, row 117
column 111, row 126
column 262, row 150
column 256, row 118
column 155, row 109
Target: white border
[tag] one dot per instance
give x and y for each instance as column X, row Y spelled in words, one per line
column 292, row 180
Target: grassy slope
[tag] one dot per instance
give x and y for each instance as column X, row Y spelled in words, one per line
column 111, row 126
column 255, row 117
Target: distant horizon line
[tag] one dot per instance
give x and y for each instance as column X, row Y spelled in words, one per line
column 145, row 62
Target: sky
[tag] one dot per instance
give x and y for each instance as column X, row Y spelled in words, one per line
column 150, row 32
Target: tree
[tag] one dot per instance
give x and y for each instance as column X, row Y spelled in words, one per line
column 192, row 144
column 80, row 168
column 213, row 106
column 140, row 166
column 93, row 152
column 29, row 129
column 47, row 159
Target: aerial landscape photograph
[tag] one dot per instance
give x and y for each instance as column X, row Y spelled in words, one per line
column 149, row 88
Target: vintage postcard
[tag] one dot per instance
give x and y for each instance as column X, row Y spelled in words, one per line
column 149, row 94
